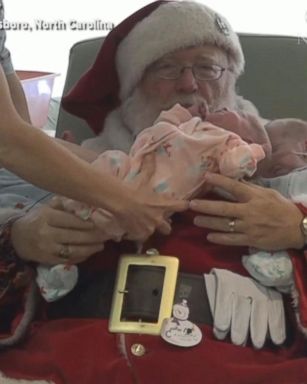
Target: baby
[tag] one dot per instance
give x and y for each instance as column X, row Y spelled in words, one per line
column 172, row 156
column 286, row 172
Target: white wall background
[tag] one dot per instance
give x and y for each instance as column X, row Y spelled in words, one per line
column 48, row 50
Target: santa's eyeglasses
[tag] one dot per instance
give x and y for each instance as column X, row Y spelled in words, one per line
column 201, row 72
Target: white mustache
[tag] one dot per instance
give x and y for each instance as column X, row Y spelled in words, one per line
column 185, row 101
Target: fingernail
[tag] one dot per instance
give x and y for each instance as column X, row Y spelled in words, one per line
column 209, row 237
column 193, row 204
column 196, row 220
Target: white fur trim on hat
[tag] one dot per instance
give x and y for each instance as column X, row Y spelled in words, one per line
column 170, row 27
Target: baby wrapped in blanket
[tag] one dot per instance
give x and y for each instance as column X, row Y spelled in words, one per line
column 172, row 155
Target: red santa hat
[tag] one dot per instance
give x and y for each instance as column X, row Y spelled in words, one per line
column 144, row 37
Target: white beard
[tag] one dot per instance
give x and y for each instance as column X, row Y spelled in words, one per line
column 138, row 113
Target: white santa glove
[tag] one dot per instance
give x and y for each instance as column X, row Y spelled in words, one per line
column 243, row 307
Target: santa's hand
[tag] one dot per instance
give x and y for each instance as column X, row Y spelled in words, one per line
column 240, row 306
column 253, row 217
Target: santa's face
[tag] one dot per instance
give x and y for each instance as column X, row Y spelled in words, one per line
column 186, row 89
column 154, row 95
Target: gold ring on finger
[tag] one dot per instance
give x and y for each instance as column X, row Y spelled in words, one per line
column 65, row 252
column 232, row 225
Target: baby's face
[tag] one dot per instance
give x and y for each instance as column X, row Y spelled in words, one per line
column 288, row 153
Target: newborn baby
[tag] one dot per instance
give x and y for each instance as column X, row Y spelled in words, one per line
column 286, row 172
column 172, row 156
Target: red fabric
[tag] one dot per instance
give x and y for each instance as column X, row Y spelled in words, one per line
column 300, row 273
column 96, row 93
column 189, row 243
column 82, row 351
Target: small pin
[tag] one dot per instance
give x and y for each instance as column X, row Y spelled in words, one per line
column 178, row 330
column 221, row 25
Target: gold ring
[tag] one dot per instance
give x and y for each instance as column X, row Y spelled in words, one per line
column 64, row 252
column 232, row 225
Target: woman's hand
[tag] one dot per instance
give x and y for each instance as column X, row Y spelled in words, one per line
column 260, row 217
column 144, row 210
column 150, row 214
column 49, row 235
